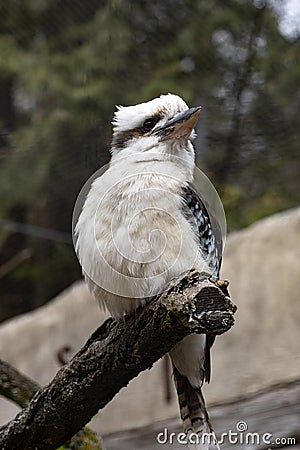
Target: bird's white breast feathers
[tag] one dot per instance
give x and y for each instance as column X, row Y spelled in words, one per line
column 132, row 237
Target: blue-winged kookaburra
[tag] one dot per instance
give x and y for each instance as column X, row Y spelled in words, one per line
column 142, row 225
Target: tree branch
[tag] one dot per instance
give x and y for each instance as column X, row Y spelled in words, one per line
column 115, row 354
column 20, row 389
column 16, row 386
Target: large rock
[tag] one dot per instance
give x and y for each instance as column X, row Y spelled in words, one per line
column 262, row 264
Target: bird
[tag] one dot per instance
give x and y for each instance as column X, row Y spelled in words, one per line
column 143, row 224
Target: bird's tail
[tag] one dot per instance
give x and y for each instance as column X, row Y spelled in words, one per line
column 195, row 419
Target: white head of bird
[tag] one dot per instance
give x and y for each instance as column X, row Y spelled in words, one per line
column 164, row 125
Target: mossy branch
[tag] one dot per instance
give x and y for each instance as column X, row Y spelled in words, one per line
column 113, row 355
column 19, row 388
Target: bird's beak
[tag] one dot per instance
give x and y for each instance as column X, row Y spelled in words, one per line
column 180, row 126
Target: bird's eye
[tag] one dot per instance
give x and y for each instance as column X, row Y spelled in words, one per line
column 149, row 124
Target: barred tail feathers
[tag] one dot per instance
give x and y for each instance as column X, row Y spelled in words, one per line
column 194, row 416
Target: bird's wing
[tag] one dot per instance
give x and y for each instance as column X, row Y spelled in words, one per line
column 209, row 234
column 206, row 227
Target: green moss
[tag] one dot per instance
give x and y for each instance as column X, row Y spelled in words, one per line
column 85, row 439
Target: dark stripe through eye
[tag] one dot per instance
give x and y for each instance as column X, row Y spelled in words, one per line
column 121, row 138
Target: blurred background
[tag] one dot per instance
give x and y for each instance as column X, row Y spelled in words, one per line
column 65, row 64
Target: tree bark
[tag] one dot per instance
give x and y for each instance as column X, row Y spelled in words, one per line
column 20, row 389
column 113, row 355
